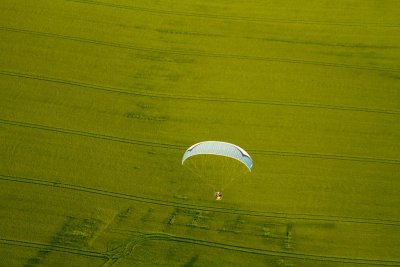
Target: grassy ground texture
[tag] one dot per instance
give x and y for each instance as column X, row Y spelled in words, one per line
column 99, row 100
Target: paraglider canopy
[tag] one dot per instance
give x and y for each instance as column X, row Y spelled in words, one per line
column 219, row 148
column 217, row 164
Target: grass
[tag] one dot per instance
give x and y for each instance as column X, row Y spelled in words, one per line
column 99, row 100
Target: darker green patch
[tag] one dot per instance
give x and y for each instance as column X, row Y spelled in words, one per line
column 167, row 56
column 233, row 226
column 172, row 31
column 181, row 197
column 144, row 117
column 124, row 214
column 322, row 43
column 149, row 216
column 35, row 261
column 75, row 233
column 171, row 219
column 173, row 77
column 191, row 262
column 288, row 240
column 392, row 75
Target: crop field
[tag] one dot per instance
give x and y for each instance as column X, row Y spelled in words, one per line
column 99, row 99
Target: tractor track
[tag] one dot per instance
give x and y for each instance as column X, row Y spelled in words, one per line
column 183, row 147
column 119, row 90
column 47, row 247
column 159, row 202
column 197, row 53
column 232, row 18
column 259, row 251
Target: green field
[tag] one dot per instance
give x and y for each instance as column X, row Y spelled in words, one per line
column 99, row 99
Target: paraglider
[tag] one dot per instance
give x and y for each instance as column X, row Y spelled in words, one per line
column 217, row 163
column 218, row 195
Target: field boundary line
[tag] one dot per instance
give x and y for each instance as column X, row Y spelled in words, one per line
column 120, row 90
column 170, row 237
column 197, row 53
column 255, row 213
column 183, row 147
column 47, row 247
column 231, row 17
